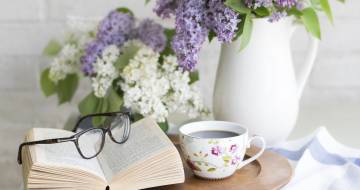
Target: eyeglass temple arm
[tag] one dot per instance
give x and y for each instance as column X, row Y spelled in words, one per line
column 46, row 141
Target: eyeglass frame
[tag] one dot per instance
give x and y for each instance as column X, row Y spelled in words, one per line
column 74, row 138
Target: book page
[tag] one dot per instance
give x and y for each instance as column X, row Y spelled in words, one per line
column 62, row 154
column 146, row 139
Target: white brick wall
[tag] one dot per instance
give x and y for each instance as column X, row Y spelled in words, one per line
column 336, row 75
column 20, row 10
column 26, row 26
column 59, row 9
column 27, row 38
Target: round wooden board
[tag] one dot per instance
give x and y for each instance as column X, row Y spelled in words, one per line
column 269, row 172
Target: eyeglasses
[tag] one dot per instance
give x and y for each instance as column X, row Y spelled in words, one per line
column 116, row 124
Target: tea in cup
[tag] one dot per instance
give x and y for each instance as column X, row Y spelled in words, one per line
column 216, row 149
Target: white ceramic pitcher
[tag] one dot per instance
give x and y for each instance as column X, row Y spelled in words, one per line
column 257, row 86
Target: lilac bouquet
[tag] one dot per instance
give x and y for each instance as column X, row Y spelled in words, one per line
column 129, row 65
column 197, row 20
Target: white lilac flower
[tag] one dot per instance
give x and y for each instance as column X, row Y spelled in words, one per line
column 156, row 90
column 110, row 54
column 81, row 24
column 169, row 64
column 100, row 85
column 65, row 63
column 78, row 37
column 105, row 71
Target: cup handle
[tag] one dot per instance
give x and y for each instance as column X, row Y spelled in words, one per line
column 257, row 155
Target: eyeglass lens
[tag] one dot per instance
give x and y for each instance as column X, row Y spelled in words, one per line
column 119, row 128
column 90, row 142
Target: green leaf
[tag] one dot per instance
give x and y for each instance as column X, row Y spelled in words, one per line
column 311, row 22
column 262, row 12
column 102, row 107
column 194, row 76
column 147, row 2
column 240, row 27
column 52, row 48
column 125, row 10
column 315, row 3
column 294, row 11
column 92, row 34
column 342, row 1
column 327, row 9
column 127, row 54
column 66, row 88
column 89, row 104
column 115, row 101
column 136, row 116
column 48, row 87
column 211, row 169
column 211, row 35
column 237, row 6
column 246, row 34
column 164, row 126
column 169, row 33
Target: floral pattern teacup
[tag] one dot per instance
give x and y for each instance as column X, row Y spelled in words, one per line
column 217, row 157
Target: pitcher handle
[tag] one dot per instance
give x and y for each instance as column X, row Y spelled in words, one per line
column 257, row 155
column 305, row 70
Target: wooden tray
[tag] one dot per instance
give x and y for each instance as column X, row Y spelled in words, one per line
column 269, row 172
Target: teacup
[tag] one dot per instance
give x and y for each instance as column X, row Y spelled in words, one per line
column 216, row 149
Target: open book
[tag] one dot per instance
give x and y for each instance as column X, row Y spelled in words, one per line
column 147, row 159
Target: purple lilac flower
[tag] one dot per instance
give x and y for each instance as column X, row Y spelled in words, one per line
column 286, row 3
column 222, row 20
column 151, row 34
column 258, row 3
column 92, row 51
column 116, row 28
column 300, row 5
column 165, row 8
column 262, row 3
column 191, row 32
column 249, row 3
column 276, row 16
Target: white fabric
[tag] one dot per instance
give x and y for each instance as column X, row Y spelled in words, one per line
column 321, row 163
